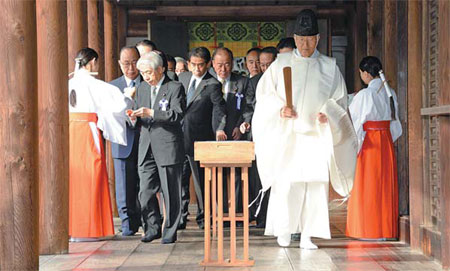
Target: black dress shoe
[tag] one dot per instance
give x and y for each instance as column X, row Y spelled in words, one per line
column 201, row 225
column 149, row 238
column 128, row 233
column 181, row 226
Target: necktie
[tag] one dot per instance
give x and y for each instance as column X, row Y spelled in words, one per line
column 153, row 96
column 190, row 93
column 132, row 84
column 222, row 81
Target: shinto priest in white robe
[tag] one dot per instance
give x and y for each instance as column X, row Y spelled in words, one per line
column 298, row 157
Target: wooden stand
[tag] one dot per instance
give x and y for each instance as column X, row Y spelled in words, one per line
column 214, row 156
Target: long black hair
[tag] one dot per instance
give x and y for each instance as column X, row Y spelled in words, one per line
column 371, row 64
column 85, row 55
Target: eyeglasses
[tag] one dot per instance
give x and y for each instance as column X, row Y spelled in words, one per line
column 127, row 63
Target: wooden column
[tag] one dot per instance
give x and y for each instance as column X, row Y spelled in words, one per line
column 360, row 48
column 19, row 198
column 95, row 33
column 444, row 123
column 121, row 30
column 110, row 74
column 374, row 28
column 390, row 42
column 402, row 87
column 51, row 24
column 76, row 29
column 415, row 145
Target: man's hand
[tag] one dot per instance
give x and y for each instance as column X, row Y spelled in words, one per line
column 142, row 112
column 131, row 92
column 245, row 127
column 288, row 113
column 236, row 134
column 220, row 135
column 129, row 113
column 322, row 118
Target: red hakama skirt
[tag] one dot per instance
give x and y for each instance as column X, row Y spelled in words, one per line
column 90, row 213
column 373, row 204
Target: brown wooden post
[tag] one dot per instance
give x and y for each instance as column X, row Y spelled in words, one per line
column 51, row 24
column 415, row 145
column 76, row 29
column 374, row 28
column 95, row 33
column 444, row 123
column 390, row 42
column 19, row 195
column 360, row 47
column 121, row 29
column 110, row 74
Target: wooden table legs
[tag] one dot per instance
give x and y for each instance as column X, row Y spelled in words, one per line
column 214, row 189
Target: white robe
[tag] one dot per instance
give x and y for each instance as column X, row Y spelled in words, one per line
column 297, row 157
column 373, row 104
column 110, row 104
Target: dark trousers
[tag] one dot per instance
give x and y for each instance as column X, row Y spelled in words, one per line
column 198, row 175
column 237, row 189
column 127, row 187
column 254, row 186
column 154, row 177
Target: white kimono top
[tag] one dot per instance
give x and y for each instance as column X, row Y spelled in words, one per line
column 373, row 104
column 301, row 149
column 110, row 104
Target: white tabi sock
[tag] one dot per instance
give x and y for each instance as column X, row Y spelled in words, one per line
column 284, row 240
column 305, row 242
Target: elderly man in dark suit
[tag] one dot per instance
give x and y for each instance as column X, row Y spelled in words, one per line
column 125, row 157
column 204, row 120
column 161, row 103
column 234, row 89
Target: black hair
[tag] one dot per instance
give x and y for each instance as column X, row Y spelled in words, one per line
column 85, row 55
column 147, row 43
column 170, row 58
column 223, row 49
column 288, row 42
column 256, row 49
column 371, row 64
column 270, row 50
column 129, row 48
column 201, row 52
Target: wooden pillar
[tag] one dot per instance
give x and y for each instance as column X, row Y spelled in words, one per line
column 19, row 197
column 390, row 42
column 415, row 145
column 374, row 28
column 95, row 33
column 444, row 123
column 402, row 87
column 110, row 74
column 121, row 29
column 51, row 24
column 360, row 48
column 76, row 29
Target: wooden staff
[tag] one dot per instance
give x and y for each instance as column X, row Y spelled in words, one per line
column 288, row 85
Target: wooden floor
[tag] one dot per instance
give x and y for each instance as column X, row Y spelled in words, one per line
column 339, row 253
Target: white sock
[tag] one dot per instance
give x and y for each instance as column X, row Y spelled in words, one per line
column 305, row 242
column 284, row 240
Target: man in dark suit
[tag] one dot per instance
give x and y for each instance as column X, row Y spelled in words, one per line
column 125, row 157
column 266, row 57
column 234, row 89
column 161, row 103
column 204, row 120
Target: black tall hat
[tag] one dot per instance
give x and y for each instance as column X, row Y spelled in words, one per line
column 306, row 24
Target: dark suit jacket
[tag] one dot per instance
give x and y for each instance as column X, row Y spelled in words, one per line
column 163, row 132
column 205, row 114
column 251, row 98
column 239, row 86
column 117, row 150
